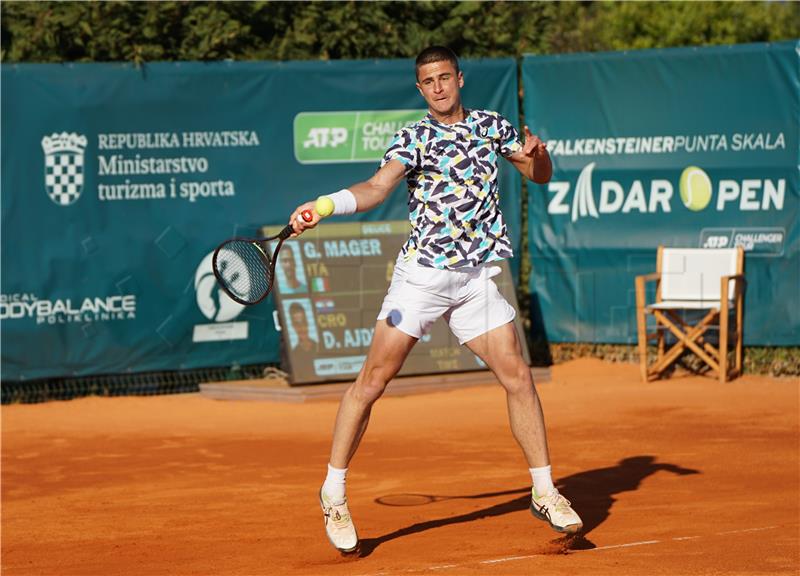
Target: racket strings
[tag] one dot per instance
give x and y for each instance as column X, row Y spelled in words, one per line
column 244, row 270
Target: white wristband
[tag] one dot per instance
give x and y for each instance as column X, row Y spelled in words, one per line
column 344, row 202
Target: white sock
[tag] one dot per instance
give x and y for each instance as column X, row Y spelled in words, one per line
column 334, row 484
column 542, row 480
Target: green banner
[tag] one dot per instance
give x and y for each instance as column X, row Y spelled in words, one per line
column 119, row 181
column 357, row 136
column 694, row 147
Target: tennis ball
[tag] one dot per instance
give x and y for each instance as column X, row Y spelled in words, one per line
column 324, row 206
column 695, row 186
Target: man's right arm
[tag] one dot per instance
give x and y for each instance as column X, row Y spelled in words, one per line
column 374, row 191
column 368, row 194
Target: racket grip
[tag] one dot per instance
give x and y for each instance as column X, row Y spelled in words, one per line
column 286, row 232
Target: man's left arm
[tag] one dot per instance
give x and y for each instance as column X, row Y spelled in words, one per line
column 533, row 160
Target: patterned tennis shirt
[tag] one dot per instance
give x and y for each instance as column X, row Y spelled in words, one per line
column 451, row 170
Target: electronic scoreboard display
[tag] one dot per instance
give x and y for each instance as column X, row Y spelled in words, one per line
column 329, row 286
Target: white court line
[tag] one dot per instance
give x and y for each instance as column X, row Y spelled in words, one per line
column 610, row 547
column 746, row 530
column 628, row 545
column 498, row 560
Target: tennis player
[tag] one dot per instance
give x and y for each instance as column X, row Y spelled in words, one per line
column 450, row 162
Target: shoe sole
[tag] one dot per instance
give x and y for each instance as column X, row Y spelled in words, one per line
column 344, row 551
column 570, row 529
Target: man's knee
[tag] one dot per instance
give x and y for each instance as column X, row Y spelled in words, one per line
column 369, row 385
column 519, row 380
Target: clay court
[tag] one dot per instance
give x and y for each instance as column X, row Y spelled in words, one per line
column 680, row 476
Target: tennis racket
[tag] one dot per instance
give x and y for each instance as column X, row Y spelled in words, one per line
column 244, row 268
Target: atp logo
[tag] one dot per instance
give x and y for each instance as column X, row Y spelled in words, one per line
column 326, row 137
column 63, row 166
column 340, row 136
column 211, row 299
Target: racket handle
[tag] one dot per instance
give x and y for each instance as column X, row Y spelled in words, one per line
column 286, row 232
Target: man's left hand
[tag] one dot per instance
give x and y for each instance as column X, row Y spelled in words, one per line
column 533, row 144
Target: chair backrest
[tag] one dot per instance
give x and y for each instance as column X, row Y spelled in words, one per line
column 695, row 273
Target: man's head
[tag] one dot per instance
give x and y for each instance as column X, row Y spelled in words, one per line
column 437, row 54
column 288, row 264
column 299, row 319
column 439, row 80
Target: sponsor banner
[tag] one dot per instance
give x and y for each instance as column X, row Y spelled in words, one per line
column 64, row 310
column 681, row 147
column 332, row 367
column 133, row 166
column 118, row 181
column 357, row 136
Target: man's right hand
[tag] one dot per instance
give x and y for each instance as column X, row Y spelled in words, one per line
column 299, row 223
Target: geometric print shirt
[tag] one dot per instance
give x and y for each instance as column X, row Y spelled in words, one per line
column 451, row 171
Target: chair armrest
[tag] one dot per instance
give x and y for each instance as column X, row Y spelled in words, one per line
column 641, row 280
column 652, row 277
column 737, row 277
column 725, row 280
column 723, row 289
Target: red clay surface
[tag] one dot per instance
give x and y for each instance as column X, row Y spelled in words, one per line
column 681, row 476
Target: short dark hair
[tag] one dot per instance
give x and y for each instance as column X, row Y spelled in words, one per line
column 436, row 54
column 297, row 307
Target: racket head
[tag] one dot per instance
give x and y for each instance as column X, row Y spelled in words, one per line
column 244, row 269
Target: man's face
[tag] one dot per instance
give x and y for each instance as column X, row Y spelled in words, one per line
column 440, row 85
column 299, row 322
column 287, row 263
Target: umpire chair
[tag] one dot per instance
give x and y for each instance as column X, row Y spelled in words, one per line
column 707, row 284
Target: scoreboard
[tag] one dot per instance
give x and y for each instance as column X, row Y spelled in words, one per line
column 329, row 286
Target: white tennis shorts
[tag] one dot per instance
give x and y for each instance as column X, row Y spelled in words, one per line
column 469, row 301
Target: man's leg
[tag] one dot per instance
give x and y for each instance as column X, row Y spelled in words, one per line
column 388, row 351
column 499, row 348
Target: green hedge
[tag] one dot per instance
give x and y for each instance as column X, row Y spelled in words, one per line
column 148, row 31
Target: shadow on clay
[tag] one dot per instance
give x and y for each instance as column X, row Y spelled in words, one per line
column 591, row 493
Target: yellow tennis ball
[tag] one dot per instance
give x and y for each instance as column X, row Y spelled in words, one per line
column 695, row 186
column 324, row 206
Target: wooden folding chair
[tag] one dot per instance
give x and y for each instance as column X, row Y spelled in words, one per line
column 698, row 279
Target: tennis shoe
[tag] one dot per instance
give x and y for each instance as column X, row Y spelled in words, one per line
column 338, row 524
column 556, row 510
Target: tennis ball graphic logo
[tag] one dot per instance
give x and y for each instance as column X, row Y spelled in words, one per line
column 213, row 302
column 695, row 186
